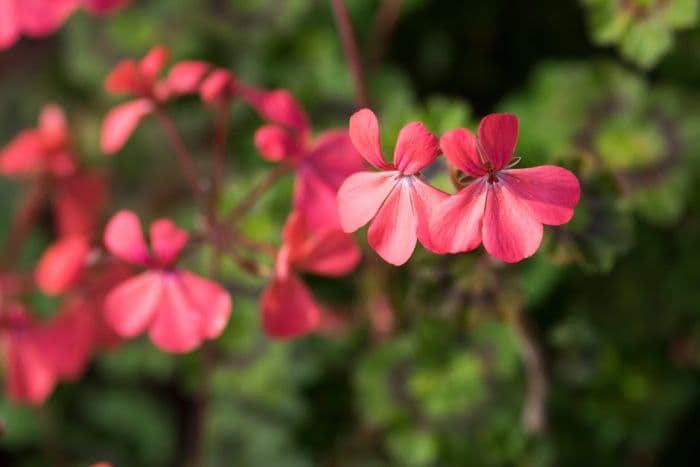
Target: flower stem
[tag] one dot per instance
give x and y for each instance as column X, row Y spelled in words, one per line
column 384, row 26
column 222, row 121
column 352, row 52
column 256, row 193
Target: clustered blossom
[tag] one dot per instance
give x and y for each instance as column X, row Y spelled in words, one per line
column 41, row 18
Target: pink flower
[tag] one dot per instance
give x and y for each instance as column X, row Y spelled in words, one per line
column 62, row 264
column 140, row 80
column 288, row 308
column 504, row 208
column 44, row 150
column 321, row 163
column 395, row 199
column 179, row 309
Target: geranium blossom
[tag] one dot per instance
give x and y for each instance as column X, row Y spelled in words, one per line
column 288, row 306
column 179, row 309
column 503, row 207
column 395, row 199
column 140, row 79
column 321, row 163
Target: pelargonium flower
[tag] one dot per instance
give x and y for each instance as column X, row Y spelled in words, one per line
column 395, row 199
column 179, row 309
column 140, row 80
column 43, row 150
column 40, row 18
column 321, row 163
column 288, row 307
column 503, row 207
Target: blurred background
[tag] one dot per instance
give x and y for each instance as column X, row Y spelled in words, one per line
column 429, row 364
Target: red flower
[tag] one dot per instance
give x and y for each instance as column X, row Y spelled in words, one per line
column 504, row 208
column 289, row 309
column 140, row 80
column 45, row 149
column 321, row 164
column 395, row 199
column 179, row 309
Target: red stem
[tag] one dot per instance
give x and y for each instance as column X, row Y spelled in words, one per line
column 256, row 193
column 352, row 52
column 222, row 121
column 384, row 25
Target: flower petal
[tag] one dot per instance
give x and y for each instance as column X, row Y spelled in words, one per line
column 498, row 134
column 62, row 264
column 78, row 203
column 9, row 23
column 510, row 232
column 25, row 155
column 131, row 306
column 364, row 133
column 361, row 196
column 416, row 148
column 153, row 62
column 550, row 192
column 167, row 241
column 41, row 18
column 288, row 309
column 315, row 199
column 334, row 158
column 104, row 6
column 185, row 77
column 275, row 143
column 28, row 375
column 125, row 78
column 278, row 106
column 210, row 299
column 330, row 253
column 67, row 340
column 219, row 86
column 426, row 199
column 455, row 226
column 460, row 148
column 120, row 122
column 394, row 230
column 177, row 325
column 123, row 238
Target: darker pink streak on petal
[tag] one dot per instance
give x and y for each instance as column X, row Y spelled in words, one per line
column 498, row 134
column 177, row 325
column 123, row 238
column 550, row 192
column 361, row 196
column 394, row 230
column 330, row 253
column 425, row 199
column 416, row 147
column 185, row 77
column 210, row 299
column 167, row 241
column 455, row 226
column 276, row 143
column 509, row 231
column 364, row 134
column 62, row 264
column 288, row 309
column 78, row 203
column 29, row 376
column 120, row 122
column 460, row 148
column 125, row 78
column 279, row 106
column 153, row 62
column 131, row 306
column 9, row 23
column 104, row 6
column 25, row 155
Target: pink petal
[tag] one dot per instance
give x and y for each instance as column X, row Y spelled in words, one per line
column 361, row 196
column 219, row 87
column 276, row 143
column 330, row 253
column 498, row 134
column 278, row 106
column 120, row 122
column 210, row 299
column 177, row 325
column 153, row 62
column 61, row 163
column 416, row 147
column 54, row 127
column 167, row 241
column 394, row 230
column 9, row 23
column 288, row 309
column 29, row 376
column 315, row 198
column 334, row 158
column 460, row 148
column 40, row 18
column 104, row 6
column 510, row 232
column 125, row 78
column 124, row 239
column 550, row 192
column 67, row 341
column 78, row 203
column 62, row 264
column 185, row 77
column 455, row 226
column 426, row 199
column 25, row 155
column 131, row 306
column 364, row 133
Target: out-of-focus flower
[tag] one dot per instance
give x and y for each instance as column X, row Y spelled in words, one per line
column 139, row 79
column 504, row 208
column 289, row 309
column 321, row 163
column 395, row 199
column 179, row 309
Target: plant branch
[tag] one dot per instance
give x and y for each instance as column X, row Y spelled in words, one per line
column 222, row 121
column 256, row 193
column 352, row 52
column 384, row 25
